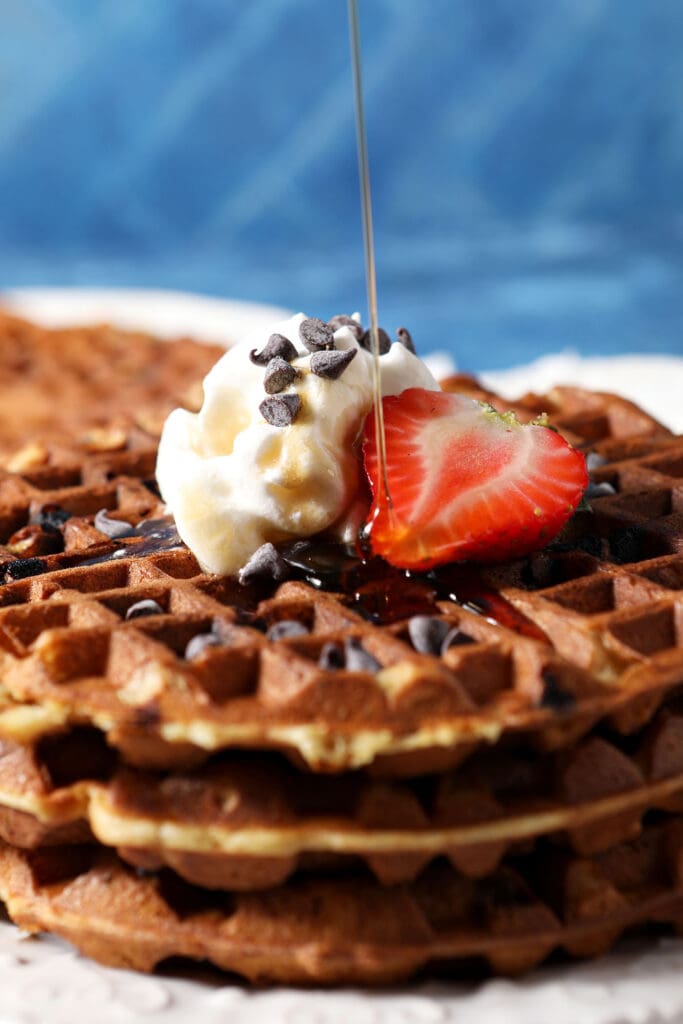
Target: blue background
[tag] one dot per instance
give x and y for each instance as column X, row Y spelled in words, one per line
column 526, row 156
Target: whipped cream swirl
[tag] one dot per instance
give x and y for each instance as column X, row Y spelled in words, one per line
column 234, row 481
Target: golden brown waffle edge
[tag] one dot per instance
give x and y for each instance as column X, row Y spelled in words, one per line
column 350, row 929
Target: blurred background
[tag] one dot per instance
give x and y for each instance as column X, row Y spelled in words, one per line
column 526, row 160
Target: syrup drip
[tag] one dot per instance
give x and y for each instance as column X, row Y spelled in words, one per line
column 382, row 498
column 464, row 585
column 150, row 537
column 384, row 594
column 377, row 590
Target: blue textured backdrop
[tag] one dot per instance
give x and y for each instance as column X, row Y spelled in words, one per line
column 527, row 161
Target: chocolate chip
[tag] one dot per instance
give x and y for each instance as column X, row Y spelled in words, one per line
column 266, row 562
column 342, row 320
column 285, row 629
column 277, row 345
column 600, row 490
column 316, row 335
column 331, row 657
column 455, row 638
column 279, row 375
column 427, row 634
column 51, row 518
column 403, row 335
column 331, row 365
column 22, row 568
column 357, row 658
column 384, row 341
column 199, row 643
column 280, row 410
column 152, row 486
column 141, row 608
column 112, row 528
column 595, row 461
column 554, row 697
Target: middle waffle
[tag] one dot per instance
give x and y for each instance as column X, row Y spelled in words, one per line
column 247, row 821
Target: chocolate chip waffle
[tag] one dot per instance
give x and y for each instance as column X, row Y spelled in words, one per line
column 244, row 822
column 479, row 742
column 585, row 631
column 350, row 929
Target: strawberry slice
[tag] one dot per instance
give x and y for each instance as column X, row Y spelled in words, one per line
column 466, row 482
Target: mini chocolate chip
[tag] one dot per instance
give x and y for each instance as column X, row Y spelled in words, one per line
column 403, row 335
column 279, row 375
column 331, row 365
column 280, row 410
column 316, row 335
column 112, row 528
column 277, row 345
column 427, row 634
column 455, row 638
column 51, row 518
column 357, row 658
column 286, row 628
column 331, row 657
column 146, row 607
column 384, row 341
column 554, row 697
column 600, row 490
column 22, row 568
column 342, row 320
column 266, row 562
column 595, row 461
column 152, row 486
column 199, row 643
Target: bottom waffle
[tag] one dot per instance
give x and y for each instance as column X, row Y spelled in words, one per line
column 348, row 928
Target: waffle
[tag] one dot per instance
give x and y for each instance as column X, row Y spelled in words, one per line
column 592, row 634
column 350, row 929
column 317, row 795
column 89, row 382
column 250, row 821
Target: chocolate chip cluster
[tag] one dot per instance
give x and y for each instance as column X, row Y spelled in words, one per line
column 281, row 409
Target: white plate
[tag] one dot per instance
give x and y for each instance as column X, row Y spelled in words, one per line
column 164, row 313
column 44, row 980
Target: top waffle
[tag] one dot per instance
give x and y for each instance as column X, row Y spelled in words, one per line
column 541, row 648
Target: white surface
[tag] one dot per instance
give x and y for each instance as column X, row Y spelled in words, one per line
column 164, row 313
column 44, row 981
column 654, row 382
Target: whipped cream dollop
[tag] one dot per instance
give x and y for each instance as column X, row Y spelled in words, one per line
column 234, row 481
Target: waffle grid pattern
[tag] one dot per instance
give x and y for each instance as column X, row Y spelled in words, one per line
column 292, row 816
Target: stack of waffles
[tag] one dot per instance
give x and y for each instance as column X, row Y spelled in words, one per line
column 350, row 776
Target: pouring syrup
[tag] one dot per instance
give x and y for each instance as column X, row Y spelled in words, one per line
column 379, row 598
column 382, row 499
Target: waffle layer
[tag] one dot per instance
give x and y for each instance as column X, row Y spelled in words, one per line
column 350, row 929
column 604, row 605
column 88, row 382
column 248, row 822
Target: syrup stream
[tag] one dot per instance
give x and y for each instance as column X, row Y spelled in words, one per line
column 383, row 497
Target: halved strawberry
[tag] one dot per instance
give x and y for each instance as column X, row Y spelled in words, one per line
column 466, row 482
